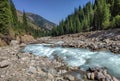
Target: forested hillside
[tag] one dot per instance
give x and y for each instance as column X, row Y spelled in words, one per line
column 100, row 15
column 13, row 22
column 31, row 23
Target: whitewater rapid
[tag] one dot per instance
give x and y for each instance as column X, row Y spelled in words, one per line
column 79, row 57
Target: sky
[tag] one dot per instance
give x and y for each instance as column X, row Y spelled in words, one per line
column 52, row 10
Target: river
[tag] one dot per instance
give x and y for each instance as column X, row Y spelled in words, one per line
column 79, row 57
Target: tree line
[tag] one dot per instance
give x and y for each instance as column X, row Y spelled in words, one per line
column 100, row 15
column 9, row 23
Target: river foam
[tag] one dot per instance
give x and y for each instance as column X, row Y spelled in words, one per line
column 79, row 57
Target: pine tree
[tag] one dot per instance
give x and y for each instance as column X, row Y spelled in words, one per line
column 106, row 16
column 103, row 14
column 116, row 8
column 111, row 4
column 14, row 13
column 88, row 17
column 25, row 23
column 61, row 27
column 78, row 25
column 5, row 17
column 81, row 14
column 98, row 13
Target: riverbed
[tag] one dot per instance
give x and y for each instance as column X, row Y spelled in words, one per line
column 79, row 57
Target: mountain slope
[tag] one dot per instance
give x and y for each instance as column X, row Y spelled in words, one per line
column 40, row 21
column 30, row 22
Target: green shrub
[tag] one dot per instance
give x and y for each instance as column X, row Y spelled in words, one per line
column 116, row 21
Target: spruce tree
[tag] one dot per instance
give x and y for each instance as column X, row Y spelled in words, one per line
column 14, row 13
column 98, row 13
column 103, row 14
column 116, row 8
column 25, row 23
column 106, row 16
column 5, row 17
column 78, row 25
column 61, row 30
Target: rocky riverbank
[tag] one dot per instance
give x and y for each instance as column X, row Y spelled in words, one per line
column 97, row 40
column 18, row 66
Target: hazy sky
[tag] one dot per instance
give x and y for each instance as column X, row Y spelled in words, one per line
column 53, row 10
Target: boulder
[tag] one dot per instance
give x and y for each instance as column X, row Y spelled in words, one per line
column 59, row 79
column 62, row 71
column 14, row 43
column 107, row 41
column 22, row 45
column 40, row 72
column 88, row 75
column 18, row 38
column 91, row 69
column 100, row 76
column 117, row 37
column 85, row 77
column 103, row 79
column 92, row 76
column 2, row 42
column 52, row 71
column 115, row 79
column 4, row 63
column 50, row 76
column 27, row 39
column 104, row 71
column 108, row 77
column 45, row 69
column 69, row 77
column 32, row 70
